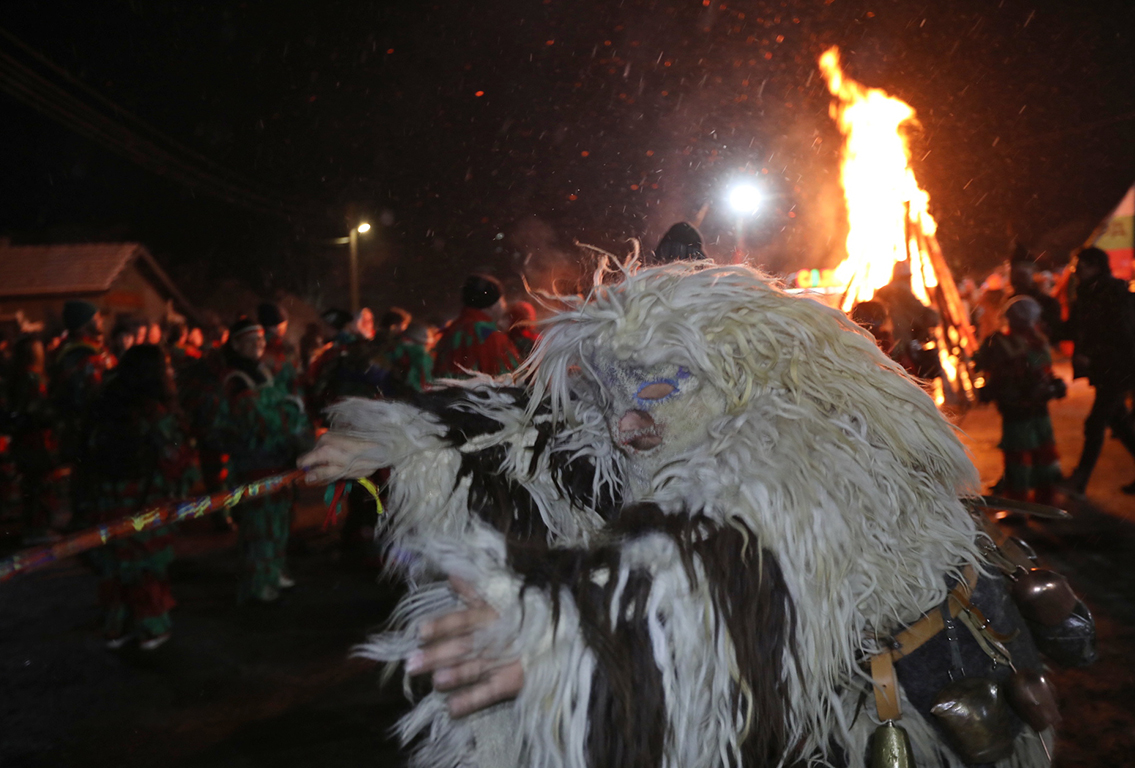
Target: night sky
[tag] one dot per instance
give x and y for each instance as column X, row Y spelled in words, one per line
column 493, row 134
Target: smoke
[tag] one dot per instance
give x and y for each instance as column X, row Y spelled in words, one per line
column 547, row 263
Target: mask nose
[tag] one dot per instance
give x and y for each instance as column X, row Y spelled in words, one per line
column 637, row 430
column 633, row 421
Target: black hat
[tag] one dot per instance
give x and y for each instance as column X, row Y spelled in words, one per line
column 1021, row 255
column 76, row 314
column 481, row 291
column 337, row 318
column 270, row 314
column 682, row 242
column 395, row 316
column 1095, row 257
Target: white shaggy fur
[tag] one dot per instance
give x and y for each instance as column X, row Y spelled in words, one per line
column 837, row 461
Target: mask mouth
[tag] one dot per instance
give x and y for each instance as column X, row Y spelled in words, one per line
column 646, row 441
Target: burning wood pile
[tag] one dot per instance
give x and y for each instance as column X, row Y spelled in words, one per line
column 890, row 222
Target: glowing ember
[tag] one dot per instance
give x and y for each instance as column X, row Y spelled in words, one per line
column 885, row 206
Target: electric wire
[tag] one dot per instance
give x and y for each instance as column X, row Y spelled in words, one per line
column 25, row 85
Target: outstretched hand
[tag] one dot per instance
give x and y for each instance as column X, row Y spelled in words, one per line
column 337, row 456
column 476, row 680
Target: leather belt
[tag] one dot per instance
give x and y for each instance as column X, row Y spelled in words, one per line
column 911, row 639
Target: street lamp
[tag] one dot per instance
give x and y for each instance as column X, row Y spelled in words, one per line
column 353, row 241
column 745, row 200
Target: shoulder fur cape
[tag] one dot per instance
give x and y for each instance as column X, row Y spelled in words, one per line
column 721, row 618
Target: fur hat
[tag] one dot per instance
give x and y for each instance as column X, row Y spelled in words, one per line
column 682, row 242
column 77, row 313
column 481, row 291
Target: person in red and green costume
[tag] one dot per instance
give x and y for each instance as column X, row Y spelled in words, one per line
column 263, row 428
column 138, row 456
column 1018, row 371
column 280, row 355
column 75, row 379
column 473, row 341
column 34, row 446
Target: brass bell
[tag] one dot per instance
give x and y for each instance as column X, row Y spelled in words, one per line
column 1033, row 699
column 976, row 717
column 890, row 747
column 1043, row 596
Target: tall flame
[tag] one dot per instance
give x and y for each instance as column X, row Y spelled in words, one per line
column 887, row 211
column 889, row 221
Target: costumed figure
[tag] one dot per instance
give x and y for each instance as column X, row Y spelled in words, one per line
column 181, row 353
column 280, row 355
column 912, row 324
column 34, row 446
column 1022, row 276
column 139, row 455
column 1018, row 370
column 411, row 361
column 262, row 427
column 473, row 342
column 79, row 368
column 351, row 366
column 706, row 526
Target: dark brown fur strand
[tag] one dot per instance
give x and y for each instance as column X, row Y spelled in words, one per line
column 750, row 594
column 499, row 500
column 627, row 715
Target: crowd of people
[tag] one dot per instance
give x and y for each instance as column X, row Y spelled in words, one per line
column 1020, row 321
column 100, row 425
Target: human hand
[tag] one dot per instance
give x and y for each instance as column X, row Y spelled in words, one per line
column 337, row 456
column 477, row 680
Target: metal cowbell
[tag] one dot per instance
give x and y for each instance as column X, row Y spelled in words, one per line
column 890, row 747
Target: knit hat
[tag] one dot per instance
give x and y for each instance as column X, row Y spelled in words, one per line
column 270, row 315
column 481, row 292
column 76, row 314
column 1022, row 312
column 337, row 318
column 244, row 325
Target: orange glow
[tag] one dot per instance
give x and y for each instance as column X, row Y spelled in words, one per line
column 889, row 220
column 479, row 94
column 879, row 188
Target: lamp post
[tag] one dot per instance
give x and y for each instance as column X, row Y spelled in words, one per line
column 353, row 242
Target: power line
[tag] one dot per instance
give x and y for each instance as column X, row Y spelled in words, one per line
column 23, row 84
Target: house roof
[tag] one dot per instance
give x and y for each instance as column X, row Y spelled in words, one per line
column 68, row 269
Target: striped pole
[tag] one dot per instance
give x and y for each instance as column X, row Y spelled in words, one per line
column 35, row 558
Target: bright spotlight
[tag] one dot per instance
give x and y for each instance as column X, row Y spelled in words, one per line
column 744, row 199
column 364, row 228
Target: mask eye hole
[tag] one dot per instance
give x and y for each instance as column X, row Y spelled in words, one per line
column 656, row 390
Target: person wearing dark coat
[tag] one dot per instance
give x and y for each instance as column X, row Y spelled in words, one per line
column 1102, row 326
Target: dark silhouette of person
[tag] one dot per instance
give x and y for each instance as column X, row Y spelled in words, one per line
column 1102, row 326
